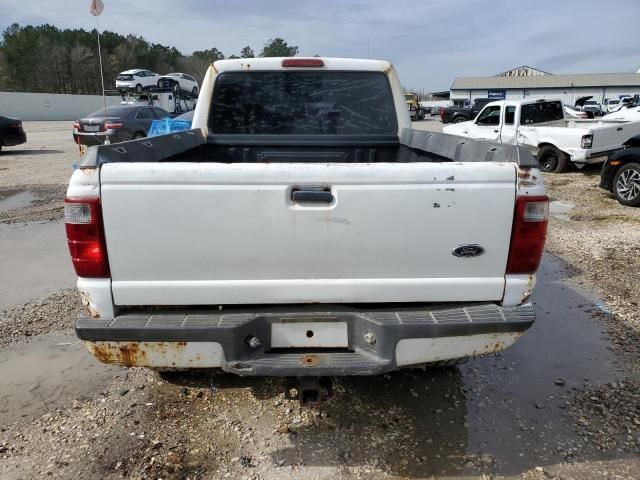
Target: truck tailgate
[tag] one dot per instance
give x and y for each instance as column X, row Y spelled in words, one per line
column 211, row 233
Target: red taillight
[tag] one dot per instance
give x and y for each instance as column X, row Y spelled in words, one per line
column 85, row 236
column 77, row 126
column 529, row 233
column 303, row 62
column 16, row 125
column 112, row 126
column 442, row 113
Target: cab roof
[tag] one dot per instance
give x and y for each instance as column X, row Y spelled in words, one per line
column 275, row 63
column 523, row 101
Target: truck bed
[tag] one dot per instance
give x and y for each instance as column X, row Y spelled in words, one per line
column 411, row 146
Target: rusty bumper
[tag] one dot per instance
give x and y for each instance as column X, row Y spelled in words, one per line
column 240, row 341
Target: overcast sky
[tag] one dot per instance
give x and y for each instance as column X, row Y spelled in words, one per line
column 430, row 41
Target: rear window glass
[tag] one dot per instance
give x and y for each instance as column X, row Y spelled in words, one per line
column 541, row 112
column 112, row 112
column 302, row 103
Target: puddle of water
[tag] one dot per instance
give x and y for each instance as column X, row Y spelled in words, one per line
column 518, row 412
column 47, row 372
column 506, row 413
column 14, row 199
column 34, row 262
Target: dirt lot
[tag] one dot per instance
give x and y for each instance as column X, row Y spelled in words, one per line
column 562, row 403
column 39, row 171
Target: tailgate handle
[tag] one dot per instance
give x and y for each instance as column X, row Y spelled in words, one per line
column 619, row 129
column 312, row 194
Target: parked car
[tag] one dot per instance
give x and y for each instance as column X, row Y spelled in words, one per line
column 137, row 80
column 11, row 132
column 267, row 243
column 620, row 174
column 542, row 126
column 186, row 82
column 434, row 111
column 616, row 104
column 173, row 102
column 606, row 105
column 590, row 106
column 121, row 123
column 463, row 114
column 571, row 112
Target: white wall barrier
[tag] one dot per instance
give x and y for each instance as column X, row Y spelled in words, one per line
column 50, row 106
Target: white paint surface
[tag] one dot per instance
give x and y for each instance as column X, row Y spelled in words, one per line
column 414, row 351
column 197, row 234
column 309, row 335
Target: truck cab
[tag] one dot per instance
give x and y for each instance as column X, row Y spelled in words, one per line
column 465, row 113
column 499, row 121
column 541, row 126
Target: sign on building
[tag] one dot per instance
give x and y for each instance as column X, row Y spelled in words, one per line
column 497, row 94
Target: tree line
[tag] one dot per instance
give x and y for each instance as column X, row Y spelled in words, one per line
column 48, row 59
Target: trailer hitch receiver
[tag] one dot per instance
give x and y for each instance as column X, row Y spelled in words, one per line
column 310, row 391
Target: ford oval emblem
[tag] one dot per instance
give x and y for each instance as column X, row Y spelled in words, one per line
column 468, row 251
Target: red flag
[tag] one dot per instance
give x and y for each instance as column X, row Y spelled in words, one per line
column 96, row 7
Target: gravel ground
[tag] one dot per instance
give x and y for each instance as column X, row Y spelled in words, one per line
column 54, row 313
column 41, row 167
column 600, row 238
column 394, row 426
column 46, row 158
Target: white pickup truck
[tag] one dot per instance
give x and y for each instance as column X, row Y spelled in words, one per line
column 541, row 126
column 302, row 228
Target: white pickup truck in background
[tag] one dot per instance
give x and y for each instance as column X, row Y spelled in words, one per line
column 541, row 126
column 303, row 229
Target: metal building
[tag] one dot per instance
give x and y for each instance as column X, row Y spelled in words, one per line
column 528, row 82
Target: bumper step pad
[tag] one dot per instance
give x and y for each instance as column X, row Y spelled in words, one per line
column 373, row 334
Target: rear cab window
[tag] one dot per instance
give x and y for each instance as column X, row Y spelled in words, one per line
column 302, row 103
column 541, row 112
